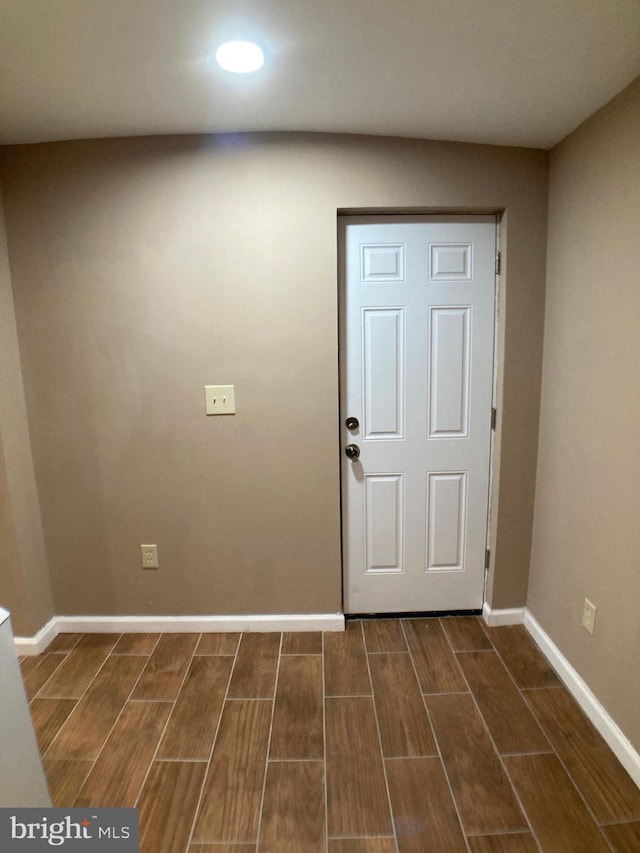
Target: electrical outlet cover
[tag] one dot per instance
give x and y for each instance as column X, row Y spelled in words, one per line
column 149, row 556
column 589, row 616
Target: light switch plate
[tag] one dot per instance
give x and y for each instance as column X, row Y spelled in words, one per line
column 220, row 399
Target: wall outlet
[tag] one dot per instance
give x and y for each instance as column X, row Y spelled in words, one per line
column 149, row 554
column 589, row 616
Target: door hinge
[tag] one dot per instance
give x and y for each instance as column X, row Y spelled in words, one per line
column 487, row 558
column 494, row 415
column 498, row 262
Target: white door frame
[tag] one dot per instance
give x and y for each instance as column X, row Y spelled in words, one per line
column 494, row 447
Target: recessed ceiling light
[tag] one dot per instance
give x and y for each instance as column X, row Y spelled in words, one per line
column 241, row 57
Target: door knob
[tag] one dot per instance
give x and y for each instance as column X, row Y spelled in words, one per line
column 352, row 451
column 352, row 423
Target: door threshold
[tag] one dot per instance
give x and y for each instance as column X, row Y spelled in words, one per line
column 414, row 614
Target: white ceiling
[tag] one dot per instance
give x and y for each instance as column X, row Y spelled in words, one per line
column 509, row 72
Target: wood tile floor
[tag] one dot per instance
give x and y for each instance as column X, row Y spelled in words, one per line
column 397, row 735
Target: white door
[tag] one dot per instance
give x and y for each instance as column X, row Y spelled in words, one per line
column 417, row 329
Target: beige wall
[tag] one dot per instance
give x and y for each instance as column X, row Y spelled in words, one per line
column 24, row 580
column 587, row 517
column 146, row 268
column 13, row 593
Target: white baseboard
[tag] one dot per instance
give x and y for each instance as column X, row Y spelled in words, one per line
column 584, row 696
column 174, row 624
column 510, row 616
column 37, row 644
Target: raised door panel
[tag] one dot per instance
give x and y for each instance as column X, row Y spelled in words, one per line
column 383, row 372
column 450, row 262
column 446, row 521
column 382, row 262
column 449, row 372
column 384, row 520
